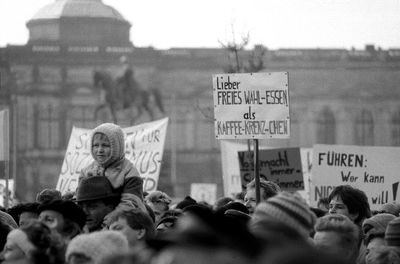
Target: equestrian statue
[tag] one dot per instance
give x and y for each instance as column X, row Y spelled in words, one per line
column 125, row 92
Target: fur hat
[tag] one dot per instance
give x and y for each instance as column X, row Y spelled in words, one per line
column 375, row 226
column 67, row 209
column 48, row 195
column 392, row 233
column 115, row 135
column 288, row 209
column 94, row 188
column 98, row 245
column 158, row 197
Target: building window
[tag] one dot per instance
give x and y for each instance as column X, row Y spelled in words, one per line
column 326, row 127
column 364, row 129
column 396, row 129
column 48, row 134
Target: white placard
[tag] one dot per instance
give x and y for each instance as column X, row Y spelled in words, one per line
column 251, row 105
column 374, row 170
column 144, row 147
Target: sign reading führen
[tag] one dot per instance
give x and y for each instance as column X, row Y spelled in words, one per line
column 251, row 105
column 374, row 170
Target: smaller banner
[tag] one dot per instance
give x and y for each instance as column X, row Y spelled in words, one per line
column 374, row 170
column 204, row 192
column 144, row 147
column 282, row 166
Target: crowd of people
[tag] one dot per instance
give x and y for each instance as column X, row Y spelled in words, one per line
column 109, row 219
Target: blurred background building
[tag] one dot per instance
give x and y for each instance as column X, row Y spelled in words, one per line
column 337, row 96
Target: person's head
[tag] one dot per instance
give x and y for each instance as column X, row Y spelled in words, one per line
column 267, row 189
column 63, row 216
column 107, row 144
column 203, row 237
column 97, row 198
column 187, row 201
column 323, row 204
column 134, row 224
column 159, row 203
column 92, row 248
column 337, row 234
column 383, row 255
column 27, row 213
column 221, row 202
column 33, row 243
column 390, row 208
column 47, row 195
column 374, row 230
column 287, row 209
column 392, row 233
column 351, row 202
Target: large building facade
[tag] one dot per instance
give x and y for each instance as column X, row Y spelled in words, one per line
column 337, row 96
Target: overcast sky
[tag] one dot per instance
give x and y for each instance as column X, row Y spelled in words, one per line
column 203, row 23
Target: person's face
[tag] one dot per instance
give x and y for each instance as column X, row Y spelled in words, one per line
column 336, row 206
column 13, row 254
column 95, row 212
column 26, row 217
column 250, row 199
column 101, row 148
column 330, row 242
column 54, row 220
column 133, row 235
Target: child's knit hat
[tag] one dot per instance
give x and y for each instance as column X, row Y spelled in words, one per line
column 115, row 135
column 288, row 209
column 98, row 245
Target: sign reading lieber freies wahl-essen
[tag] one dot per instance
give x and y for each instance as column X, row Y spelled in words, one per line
column 251, row 105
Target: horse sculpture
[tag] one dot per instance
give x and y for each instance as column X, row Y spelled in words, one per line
column 125, row 92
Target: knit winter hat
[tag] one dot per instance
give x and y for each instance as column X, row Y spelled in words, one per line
column 390, row 208
column 288, row 209
column 376, row 226
column 98, row 245
column 115, row 135
column 392, row 234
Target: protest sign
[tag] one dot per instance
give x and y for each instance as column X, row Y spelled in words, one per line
column 373, row 170
column 231, row 168
column 282, row 166
column 204, row 192
column 144, row 146
column 251, row 105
